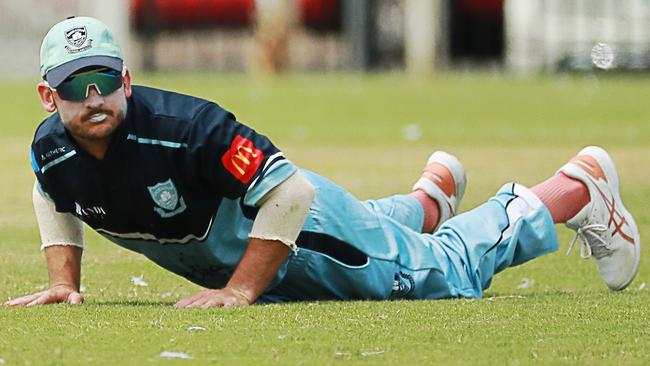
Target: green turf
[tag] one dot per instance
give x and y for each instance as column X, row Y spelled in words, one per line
column 349, row 128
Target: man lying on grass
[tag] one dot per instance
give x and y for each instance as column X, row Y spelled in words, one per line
column 181, row 181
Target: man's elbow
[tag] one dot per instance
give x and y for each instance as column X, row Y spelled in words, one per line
column 303, row 190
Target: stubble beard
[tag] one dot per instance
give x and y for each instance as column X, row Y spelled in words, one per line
column 78, row 131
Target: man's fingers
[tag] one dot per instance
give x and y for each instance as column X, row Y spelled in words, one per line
column 232, row 302
column 75, row 298
column 41, row 300
column 24, row 300
column 51, row 296
column 190, row 300
column 224, row 301
column 218, row 302
column 198, row 301
column 206, row 302
column 203, row 299
column 212, row 298
column 184, row 302
column 215, row 299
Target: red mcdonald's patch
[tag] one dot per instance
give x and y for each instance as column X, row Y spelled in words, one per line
column 242, row 159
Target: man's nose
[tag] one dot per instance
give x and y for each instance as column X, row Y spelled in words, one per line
column 94, row 98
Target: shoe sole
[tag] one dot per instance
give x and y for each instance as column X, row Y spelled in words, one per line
column 457, row 171
column 607, row 165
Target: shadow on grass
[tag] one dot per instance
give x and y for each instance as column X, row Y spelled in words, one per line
column 131, row 303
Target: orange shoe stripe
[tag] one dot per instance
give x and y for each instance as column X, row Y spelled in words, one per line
column 613, row 215
column 441, row 176
column 589, row 165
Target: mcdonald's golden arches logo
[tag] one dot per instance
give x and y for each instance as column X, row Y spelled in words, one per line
column 242, row 159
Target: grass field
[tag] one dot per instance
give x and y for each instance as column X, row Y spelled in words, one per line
column 350, row 128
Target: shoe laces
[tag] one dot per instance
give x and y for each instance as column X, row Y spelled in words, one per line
column 591, row 241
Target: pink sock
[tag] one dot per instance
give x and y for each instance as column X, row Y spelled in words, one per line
column 563, row 196
column 431, row 210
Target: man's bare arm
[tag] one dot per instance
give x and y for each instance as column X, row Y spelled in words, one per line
column 261, row 262
column 277, row 225
column 62, row 241
column 64, row 268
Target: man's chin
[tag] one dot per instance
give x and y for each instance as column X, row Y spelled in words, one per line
column 99, row 130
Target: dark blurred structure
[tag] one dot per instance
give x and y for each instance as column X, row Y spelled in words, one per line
column 477, row 31
column 419, row 36
column 318, row 15
column 466, row 32
column 150, row 18
column 395, row 34
column 372, row 31
column 175, row 14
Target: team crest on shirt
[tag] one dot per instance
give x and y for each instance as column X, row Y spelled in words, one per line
column 166, row 197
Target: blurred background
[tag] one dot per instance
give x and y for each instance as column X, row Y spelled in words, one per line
column 418, row 36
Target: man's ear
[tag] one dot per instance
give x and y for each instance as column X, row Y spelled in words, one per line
column 47, row 97
column 127, row 82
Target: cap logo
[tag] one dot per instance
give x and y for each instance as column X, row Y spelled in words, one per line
column 76, row 37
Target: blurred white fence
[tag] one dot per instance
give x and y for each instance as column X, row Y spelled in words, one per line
column 540, row 35
column 558, row 34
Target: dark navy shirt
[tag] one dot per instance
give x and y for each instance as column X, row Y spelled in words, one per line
column 179, row 183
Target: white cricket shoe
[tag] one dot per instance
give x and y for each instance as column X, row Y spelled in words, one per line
column 606, row 229
column 443, row 179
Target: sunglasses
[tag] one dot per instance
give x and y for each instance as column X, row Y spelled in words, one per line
column 77, row 87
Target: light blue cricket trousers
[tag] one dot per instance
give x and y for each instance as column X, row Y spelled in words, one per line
column 458, row 260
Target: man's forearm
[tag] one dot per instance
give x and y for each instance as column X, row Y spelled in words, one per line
column 258, row 267
column 282, row 212
column 64, row 265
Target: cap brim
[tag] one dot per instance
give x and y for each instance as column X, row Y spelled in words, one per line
column 56, row 76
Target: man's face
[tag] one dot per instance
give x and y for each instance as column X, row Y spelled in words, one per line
column 94, row 118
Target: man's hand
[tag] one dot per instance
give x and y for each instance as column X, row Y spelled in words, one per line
column 225, row 297
column 64, row 266
column 55, row 295
column 255, row 271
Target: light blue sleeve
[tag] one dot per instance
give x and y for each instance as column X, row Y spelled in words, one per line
column 271, row 177
column 32, row 159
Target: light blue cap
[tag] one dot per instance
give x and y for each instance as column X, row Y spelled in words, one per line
column 75, row 43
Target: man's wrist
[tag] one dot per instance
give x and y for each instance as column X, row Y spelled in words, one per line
column 241, row 293
column 67, row 285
